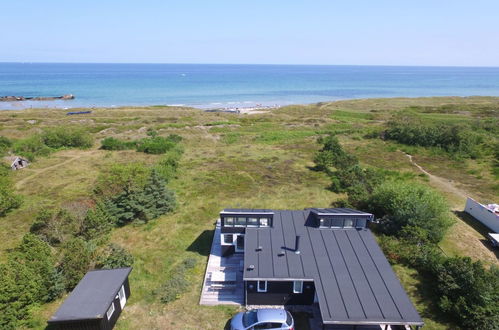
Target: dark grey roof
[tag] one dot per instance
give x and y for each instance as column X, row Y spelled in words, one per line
column 92, row 296
column 336, row 211
column 246, row 211
column 354, row 282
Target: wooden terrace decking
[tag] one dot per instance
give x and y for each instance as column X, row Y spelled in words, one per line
column 216, row 293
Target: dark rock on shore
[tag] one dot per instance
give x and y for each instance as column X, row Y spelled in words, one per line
column 38, row 98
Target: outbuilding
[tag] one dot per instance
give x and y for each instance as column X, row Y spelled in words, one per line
column 16, row 162
column 95, row 303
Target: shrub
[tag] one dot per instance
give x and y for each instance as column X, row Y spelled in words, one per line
column 55, row 226
column 400, row 204
column 332, row 154
column 155, row 145
column 60, row 137
column 111, row 143
column 97, row 222
column 5, row 144
column 469, row 292
column 121, row 178
column 9, row 200
column 115, row 256
column 31, row 147
column 455, row 138
column 178, row 282
column 75, row 261
column 168, row 164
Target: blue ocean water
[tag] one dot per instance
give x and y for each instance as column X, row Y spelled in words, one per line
column 220, row 86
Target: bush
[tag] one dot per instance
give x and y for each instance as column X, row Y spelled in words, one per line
column 75, row 261
column 111, row 143
column 5, row 144
column 155, row 145
column 332, row 154
column 400, row 204
column 178, row 282
column 121, row 178
column 60, row 137
column 469, row 292
column 55, row 226
column 115, row 256
column 97, row 222
column 455, row 138
column 31, row 147
column 9, row 200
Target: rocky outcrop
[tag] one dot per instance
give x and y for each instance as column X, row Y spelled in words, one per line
column 37, row 98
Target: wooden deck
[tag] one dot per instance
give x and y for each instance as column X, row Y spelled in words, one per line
column 217, row 293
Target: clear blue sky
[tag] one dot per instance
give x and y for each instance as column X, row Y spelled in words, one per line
column 378, row 32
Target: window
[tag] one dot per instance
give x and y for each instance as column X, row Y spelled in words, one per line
column 261, row 286
column 361, row 223
column 122, row 296
column 110, row 311
column 240, row 222
column 252, row 222
column 348, row 223
column 336, row 223
column 322, row 223
column 229, row 222
column 228, row 239
column 264, row 222
column 297, row 286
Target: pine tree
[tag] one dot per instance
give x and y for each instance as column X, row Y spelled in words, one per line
column 157, row 198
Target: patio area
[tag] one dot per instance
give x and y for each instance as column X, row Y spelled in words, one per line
column 223, row 280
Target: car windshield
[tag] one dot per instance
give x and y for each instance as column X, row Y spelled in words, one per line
column 249, row 318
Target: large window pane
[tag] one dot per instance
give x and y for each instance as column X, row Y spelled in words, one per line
column 336, row 223
column 240, row 222
column 297, row 286
column 229, row 222
column 264, row 222
column 348, row 223
column 262, row 286
column 228, row 239
column 252, row 222
column 324, row 223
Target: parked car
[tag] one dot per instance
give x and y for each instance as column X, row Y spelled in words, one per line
column 265, row 318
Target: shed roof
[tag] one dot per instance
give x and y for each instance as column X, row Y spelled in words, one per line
column 92, row 296
column 354, row 282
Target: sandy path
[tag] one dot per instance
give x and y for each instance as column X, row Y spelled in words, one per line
column 441, row 182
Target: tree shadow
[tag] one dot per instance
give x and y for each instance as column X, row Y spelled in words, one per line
column 479, row 227
column 202, row 244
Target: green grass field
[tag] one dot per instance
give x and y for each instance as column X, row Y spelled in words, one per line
column 259, row 160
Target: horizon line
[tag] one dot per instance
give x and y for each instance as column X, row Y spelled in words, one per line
column 263, row 64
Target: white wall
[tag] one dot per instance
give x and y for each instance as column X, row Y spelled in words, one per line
column 482, row 214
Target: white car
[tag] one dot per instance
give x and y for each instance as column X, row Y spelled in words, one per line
column 265, row 318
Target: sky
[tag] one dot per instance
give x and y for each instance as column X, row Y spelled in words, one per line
column 348, row 32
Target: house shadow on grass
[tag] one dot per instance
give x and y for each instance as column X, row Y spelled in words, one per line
column 479, row 227
column 202, row 244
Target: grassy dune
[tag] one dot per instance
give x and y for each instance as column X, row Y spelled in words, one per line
column 260, row 160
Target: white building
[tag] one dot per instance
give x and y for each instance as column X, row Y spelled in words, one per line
column 486, row 214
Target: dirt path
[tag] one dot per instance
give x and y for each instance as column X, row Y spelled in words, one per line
column 21, row 182
column 441, row 182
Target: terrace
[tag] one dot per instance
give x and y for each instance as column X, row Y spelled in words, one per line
column 223, row 281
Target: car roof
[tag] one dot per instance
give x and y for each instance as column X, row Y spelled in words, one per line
column 271, row 315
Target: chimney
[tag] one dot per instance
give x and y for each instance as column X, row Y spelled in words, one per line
column 297, row 245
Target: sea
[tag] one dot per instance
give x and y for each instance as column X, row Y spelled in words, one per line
column 225, row 86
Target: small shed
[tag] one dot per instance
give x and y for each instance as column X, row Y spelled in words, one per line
column 16, row 162
column 95, row 303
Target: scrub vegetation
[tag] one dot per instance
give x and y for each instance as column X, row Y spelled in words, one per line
column 144, row 186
